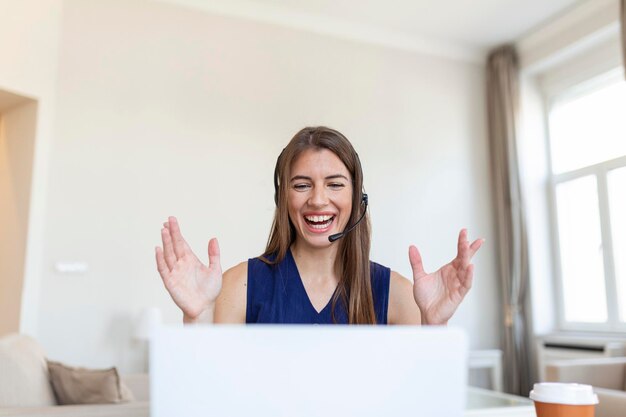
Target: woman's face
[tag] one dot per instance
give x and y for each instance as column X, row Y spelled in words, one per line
column 319, row 197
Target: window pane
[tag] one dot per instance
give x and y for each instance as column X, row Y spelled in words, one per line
column 582, row 267
column 617, row 203
column 589, row 129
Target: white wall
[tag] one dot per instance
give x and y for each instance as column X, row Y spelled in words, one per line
column 165, row 111
column 17, row 137
column 29, row 32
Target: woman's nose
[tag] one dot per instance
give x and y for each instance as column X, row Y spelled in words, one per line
column 318, row 197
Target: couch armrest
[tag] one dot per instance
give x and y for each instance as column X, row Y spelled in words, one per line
column 132, row 409
column 612, row 402
column 139, row 384
column 599, row 372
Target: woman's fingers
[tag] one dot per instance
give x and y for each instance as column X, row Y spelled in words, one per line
column 187, row 247
column 177, row 238
column 168, row 249
column 473, row 248
column 162, row 267
column 466, row 251
column 463, row 248
column 175, row 247
column 468, row 278
column 416, row 261
column 214, row 254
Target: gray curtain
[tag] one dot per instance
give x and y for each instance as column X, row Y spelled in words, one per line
column 503, row 112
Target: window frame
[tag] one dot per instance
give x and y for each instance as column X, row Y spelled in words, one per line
column 552, row 97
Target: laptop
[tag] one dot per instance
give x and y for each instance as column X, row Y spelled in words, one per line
column 307, row 371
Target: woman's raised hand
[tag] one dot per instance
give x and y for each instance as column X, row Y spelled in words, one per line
column 193, row 286
column 439, row 293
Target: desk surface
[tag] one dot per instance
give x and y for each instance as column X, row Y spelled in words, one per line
column 482, row 402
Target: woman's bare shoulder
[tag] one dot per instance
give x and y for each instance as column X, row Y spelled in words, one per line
column 397, row 280
column 237, row 274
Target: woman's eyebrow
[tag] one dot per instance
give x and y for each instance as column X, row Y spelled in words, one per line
column 330, row 177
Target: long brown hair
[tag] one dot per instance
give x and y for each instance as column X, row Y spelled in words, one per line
column 354, row 289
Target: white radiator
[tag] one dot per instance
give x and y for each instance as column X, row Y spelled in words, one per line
column 558, row 347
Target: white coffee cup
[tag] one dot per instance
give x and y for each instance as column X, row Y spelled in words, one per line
column 557, row 399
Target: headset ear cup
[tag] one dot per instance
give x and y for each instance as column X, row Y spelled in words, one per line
column 276, row 186
column 276, row 191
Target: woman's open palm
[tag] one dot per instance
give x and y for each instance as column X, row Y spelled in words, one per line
column 438, row 294
column 193, row 286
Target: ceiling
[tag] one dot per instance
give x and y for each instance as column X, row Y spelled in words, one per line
column 453, row 27
column 481, row 23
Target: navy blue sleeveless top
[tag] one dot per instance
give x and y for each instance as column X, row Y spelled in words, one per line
column 276, row 294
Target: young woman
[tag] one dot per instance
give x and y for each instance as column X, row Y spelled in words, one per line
column 316, row 267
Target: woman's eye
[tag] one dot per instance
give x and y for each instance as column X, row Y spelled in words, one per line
column 336, row 185
column 301, row 187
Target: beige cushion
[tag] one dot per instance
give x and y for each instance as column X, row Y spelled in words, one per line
column 139, row 385
column 599, row 372
column 24, row 374
column 87, row 386
column 612, row 402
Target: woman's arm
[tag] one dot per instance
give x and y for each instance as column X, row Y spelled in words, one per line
column 230, row 307
column 402, row 307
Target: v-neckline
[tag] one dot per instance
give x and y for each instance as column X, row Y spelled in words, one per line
column 303, row 288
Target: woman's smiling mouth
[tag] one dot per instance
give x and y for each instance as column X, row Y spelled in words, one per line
column 319, row 223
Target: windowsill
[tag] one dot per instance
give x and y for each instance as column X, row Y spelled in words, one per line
column 583, row 336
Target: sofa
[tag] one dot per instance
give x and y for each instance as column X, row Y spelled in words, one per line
column 606, row 375
column 25, row 388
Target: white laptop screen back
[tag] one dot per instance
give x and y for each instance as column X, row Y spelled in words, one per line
column 306, row 371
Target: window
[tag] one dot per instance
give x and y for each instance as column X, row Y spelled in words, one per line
column 587, row 134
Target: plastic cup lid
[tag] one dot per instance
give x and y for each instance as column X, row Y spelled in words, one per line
column 561, row 393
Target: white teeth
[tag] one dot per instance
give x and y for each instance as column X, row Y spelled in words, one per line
column 320, row 226
column 318, row 219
